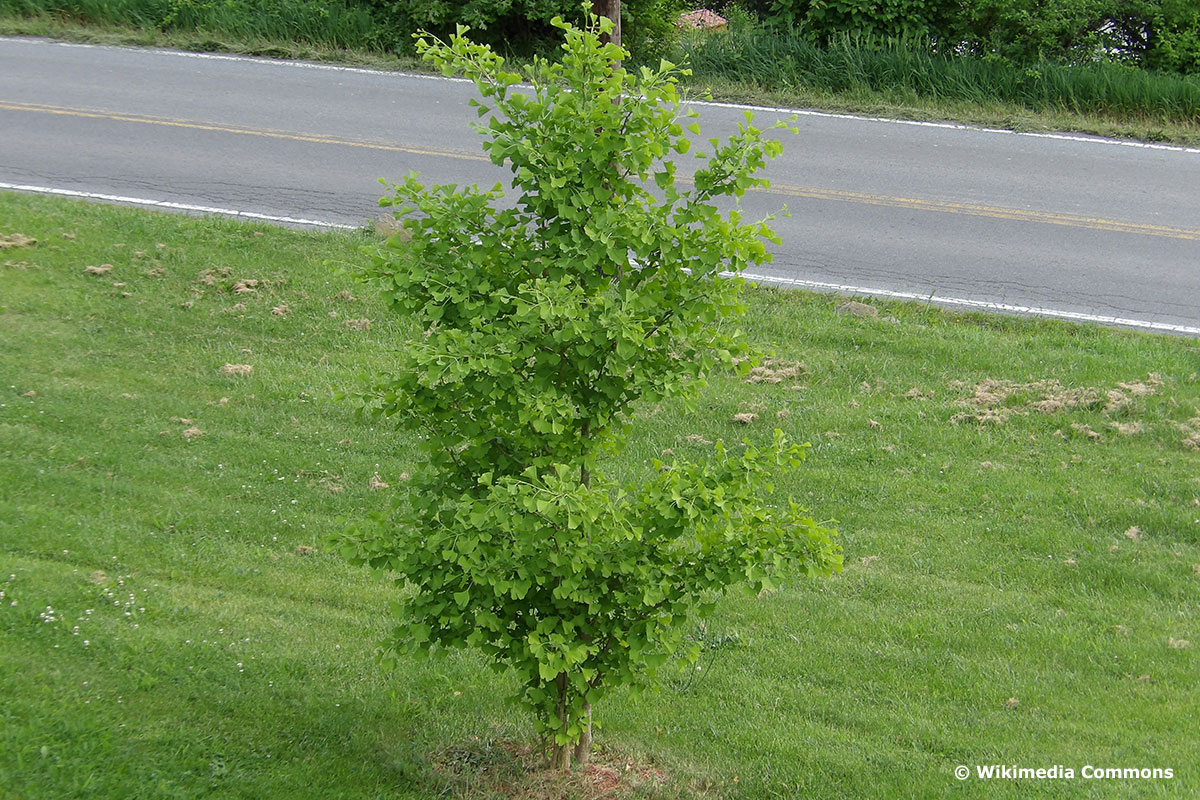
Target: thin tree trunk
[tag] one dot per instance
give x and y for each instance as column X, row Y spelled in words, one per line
column 612, row 10
column 583, row 748
column 560, row 755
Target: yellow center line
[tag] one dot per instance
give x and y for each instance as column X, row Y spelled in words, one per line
column 781, row 189
column 1018, row 214
column 268, row 134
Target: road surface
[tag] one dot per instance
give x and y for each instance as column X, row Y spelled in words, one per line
column 1066, row 226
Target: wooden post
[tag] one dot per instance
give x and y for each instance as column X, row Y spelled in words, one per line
column 612, row 10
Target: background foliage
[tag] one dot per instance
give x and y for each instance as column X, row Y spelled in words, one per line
column 1156, row 34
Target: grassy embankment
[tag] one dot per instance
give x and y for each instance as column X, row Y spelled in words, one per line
column 1019, row 502
column 747, row 64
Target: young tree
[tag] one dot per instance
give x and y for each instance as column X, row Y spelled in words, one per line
column 541, row 326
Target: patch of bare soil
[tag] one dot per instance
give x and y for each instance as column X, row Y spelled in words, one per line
column 857, row 309
column 490, row 769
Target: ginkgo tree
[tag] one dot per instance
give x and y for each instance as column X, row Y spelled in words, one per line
column 541, row 322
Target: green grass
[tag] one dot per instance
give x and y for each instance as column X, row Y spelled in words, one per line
column 195, row 648
column 1100, row 98
column 330, row 24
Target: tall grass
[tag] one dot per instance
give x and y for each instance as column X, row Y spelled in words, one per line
column 904, row 71
column 324, row 23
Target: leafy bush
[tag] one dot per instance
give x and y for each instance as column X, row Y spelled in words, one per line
column 1160, row 34
column 542, row 326
column 1028, row 31
column 1156, row 34
column 824, row 20
column 524, row 26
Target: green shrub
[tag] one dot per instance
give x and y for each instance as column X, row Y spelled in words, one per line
column 1160, row 34
column 541, row 328
column 1026, row 32
column 523, row 27
column 825, row 20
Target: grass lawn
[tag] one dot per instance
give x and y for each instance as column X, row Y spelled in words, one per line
column 1019, row 502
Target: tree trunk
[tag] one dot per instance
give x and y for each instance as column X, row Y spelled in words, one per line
column 560, row 754
column 612, row 10
column 583, row 748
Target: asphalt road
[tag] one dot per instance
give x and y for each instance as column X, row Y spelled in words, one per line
column 1063, row 226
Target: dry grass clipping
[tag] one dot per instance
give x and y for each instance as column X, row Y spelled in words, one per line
column 9, row 241
column 247, row 286
column 993, row 401
column 775, row 371
column 240, row 370
column 1191, row 434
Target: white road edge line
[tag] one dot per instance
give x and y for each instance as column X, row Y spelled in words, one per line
column 167, row 204
column 840, row 288
column 978, row 305
column 954, row 126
